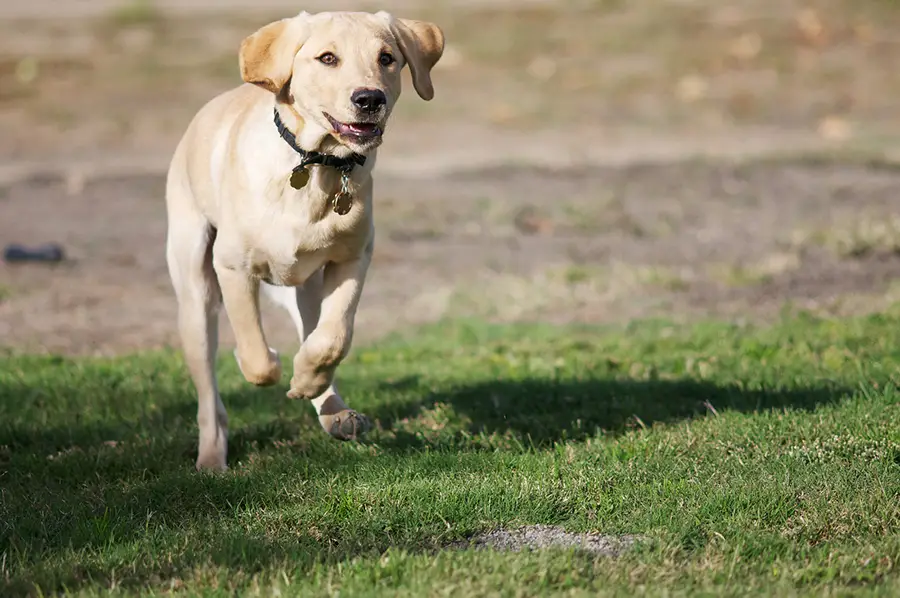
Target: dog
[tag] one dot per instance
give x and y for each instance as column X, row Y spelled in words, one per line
column 270, row 189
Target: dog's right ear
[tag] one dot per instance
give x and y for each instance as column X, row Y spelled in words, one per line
column 267, row 57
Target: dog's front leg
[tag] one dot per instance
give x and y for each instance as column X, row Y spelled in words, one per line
column 240, row 293
column 329, row 343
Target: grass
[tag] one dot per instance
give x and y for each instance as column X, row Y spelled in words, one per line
column 136, row 13
column 859, row 239
column 754, row 273
column 752, row 461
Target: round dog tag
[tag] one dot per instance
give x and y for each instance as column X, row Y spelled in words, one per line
column 342, row 203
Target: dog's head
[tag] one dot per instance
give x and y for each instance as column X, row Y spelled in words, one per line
column 341, row 70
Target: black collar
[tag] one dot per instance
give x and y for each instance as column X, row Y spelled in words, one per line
column 308, row 158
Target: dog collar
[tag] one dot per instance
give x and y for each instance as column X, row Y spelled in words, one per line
column 345, row 165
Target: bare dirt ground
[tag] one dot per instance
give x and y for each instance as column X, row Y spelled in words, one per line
column 590, row 162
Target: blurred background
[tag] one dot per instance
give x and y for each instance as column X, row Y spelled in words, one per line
column 593, row 161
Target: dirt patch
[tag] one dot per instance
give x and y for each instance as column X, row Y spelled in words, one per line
column 606, row 244
column 543, row 537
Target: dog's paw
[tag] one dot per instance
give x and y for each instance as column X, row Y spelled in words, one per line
column 265, row 373
column 346, row 425
column 309, row 382
column 308, row 387
column 211, row 460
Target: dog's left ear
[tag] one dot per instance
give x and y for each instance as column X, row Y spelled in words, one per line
column 422, row 45
column 267, row 56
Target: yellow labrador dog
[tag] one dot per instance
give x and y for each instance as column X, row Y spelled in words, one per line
column 271, row 189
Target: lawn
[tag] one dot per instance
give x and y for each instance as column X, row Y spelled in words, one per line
column 746, row 460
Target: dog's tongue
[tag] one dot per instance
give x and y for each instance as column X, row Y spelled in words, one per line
column 357, row 128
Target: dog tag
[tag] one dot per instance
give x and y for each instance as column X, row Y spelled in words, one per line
column 342, row 203
column 299, row 178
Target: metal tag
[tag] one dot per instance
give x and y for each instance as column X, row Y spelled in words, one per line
column 299, row 178
column 343, row 201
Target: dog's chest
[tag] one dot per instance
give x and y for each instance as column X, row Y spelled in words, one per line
column 291, row 245
column 282, row 270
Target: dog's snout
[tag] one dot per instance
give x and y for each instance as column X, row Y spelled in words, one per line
column 369, row 100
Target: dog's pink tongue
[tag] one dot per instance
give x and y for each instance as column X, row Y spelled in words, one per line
column 360, row 128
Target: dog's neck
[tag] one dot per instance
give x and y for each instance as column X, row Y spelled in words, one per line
column 309, row 138
column 309, row 158
column 334, row 173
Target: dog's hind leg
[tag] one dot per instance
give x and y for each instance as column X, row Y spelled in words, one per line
column 189, row 245
column 303, row 303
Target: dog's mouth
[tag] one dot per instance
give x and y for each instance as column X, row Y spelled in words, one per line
column 359, row 132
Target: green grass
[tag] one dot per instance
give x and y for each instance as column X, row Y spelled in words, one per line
column 136, row 13
column 751, row 461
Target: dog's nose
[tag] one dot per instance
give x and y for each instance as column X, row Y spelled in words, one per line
column 368, row 100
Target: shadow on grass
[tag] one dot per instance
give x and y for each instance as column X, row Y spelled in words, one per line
column 101, row 484
column 68, row 489
column 542, row 412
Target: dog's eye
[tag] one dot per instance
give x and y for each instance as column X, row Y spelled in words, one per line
column 327, row 58
column 386, row 59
